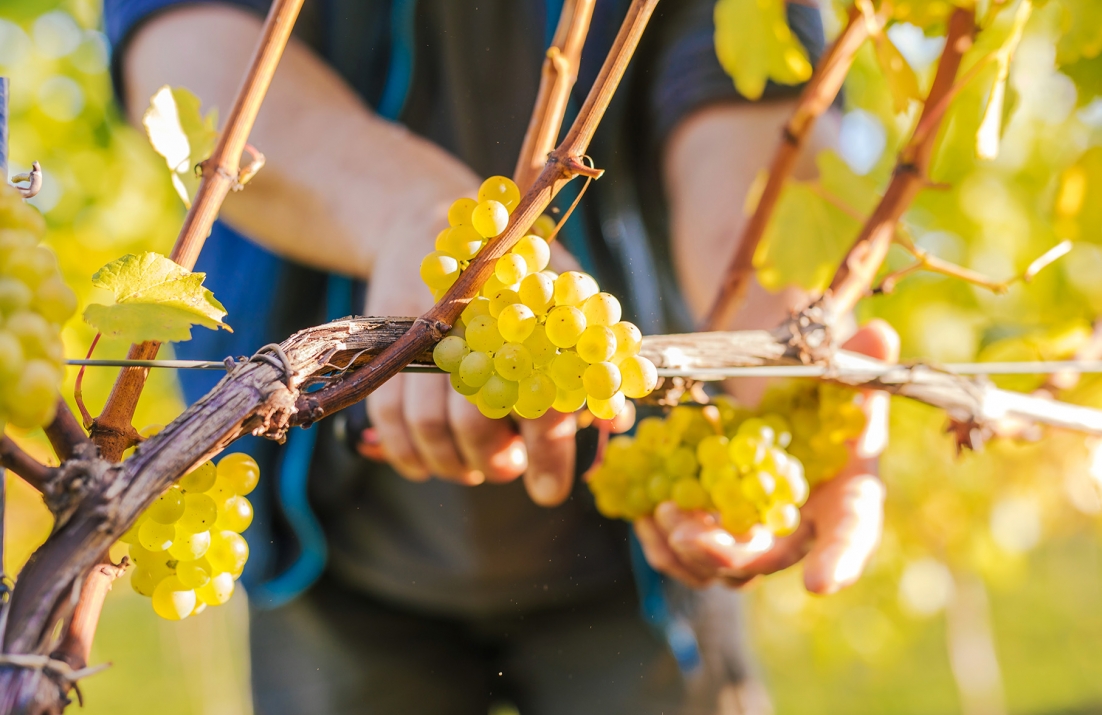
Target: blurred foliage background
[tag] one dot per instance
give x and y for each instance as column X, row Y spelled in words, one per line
column 983, row 598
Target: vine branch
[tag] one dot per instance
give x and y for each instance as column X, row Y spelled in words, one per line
column 32, row 471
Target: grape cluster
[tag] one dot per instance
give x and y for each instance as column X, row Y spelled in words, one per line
column 532, row 340
column 187, row 546
column 34, row 302
column 751, row 467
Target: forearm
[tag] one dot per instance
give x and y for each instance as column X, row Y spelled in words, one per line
column 340, row 185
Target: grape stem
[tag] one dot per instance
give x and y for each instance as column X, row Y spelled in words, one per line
column 65, row 433
column 817, row 96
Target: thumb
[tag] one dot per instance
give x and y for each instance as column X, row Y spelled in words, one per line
column 550, row 443
column 878, row 340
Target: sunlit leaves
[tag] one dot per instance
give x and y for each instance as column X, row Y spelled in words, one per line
column 754, row 44
column 180, row 134
column 990, row 131
column 898, row 73
column 1081, row 23
column 1078, row 205
column 155, row 299
column 1087, row 76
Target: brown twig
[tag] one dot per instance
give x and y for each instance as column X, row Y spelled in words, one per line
column 19, row 462
column 76, row 646
column 926, row 262
column 113, row 431
column 560, row 72
column 816, row 97
column 563, row 164
column 65, row 433
column 855, row 276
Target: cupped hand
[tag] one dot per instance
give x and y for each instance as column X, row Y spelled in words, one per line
column 840, row 523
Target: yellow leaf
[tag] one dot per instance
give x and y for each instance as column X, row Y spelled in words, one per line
column 754, row 45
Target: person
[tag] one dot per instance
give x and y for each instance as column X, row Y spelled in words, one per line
column 471, row 567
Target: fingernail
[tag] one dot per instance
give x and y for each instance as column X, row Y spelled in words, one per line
column 545, row 489
column 474, row 477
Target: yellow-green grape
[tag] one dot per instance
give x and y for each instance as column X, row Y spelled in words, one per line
column 712, row 451
column 792, row 486
column 651, row 434
column 130, row 536
column 601, row 380
column 628, row 340
column 510, row 269
column 236, row 515
column 460, row 211
column 782, row 433
column 681, row 463
column 188, row 547
column 439, row 244
column 782, row 519
column 758, row 487
column 476, row 369
column 449, row 353
column 499, row 393
column 38, row 337
column 723, row 484
column 687, row 493
column 502, row 299
column 535, row 252
column 218, row 590
column 31, row 400
column 740, row 517
column 516, row 322
column 461, row 242
column 513, row 363
column 596, row 344
column 14, row 295
column 541, row 349
column 200, row 513
column 544, row 227
column 639, row 376
column 173, row 600
column 602, row 309
column 54, row 300
column 483, row 335
column 574, row 288
column 537, row 291
column 32, row 265
column 241, row 471
column 12, row 358
column 144, row 582
column 167, row 508
column 154, row 536
column 746, row 451
column 228, row 552
column 461, row 387
column 494, row 413
column 568, row 371
column 607, row 409
column 439, row 270
column 567, row 401
column 535, row 395
column 565, row 324
column 478, row 306
column 194, row 574
column 500, row 189
column 490, row 218
column 658, row 487
column 492, row 286
column 199, row 479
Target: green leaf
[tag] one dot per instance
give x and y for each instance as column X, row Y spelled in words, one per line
column 155, row 299
column 990, row 131
column 180, row 134
column 1087, row 76
column 754, row 44
column 860, row 193
column 1081, row 23
column 898, row 73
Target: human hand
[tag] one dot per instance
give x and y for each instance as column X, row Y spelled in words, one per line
column 840, row 523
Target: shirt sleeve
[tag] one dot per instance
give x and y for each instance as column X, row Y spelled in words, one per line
column 689, row 75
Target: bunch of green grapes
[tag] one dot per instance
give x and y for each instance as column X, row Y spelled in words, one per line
column 534, row 340
column 34, row 302
column 187, row 546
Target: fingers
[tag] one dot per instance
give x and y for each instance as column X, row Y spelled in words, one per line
column 701, row 544
column 847, row 517
column 384, row 407
column 549, row 441
column 425, row 406
column 660, row 556
column 491, row 447
column 879, row 340
column 876, row 339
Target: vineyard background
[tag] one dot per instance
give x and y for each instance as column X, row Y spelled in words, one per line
column 1017, row 524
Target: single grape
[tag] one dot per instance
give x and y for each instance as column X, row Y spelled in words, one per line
column 32, row 398
column 494, row 413
column 449, row 353
column 574, row 288
column 236, row 515
column 712, row 451
column 500, row 189
column 639, row 375
column 478, row 306
column 32, row 264
column 461, row 387
column 439, row 270
column 602, row 309
column 596, row 343
column 490, row 218
column 194, row 574
column 658, row 487
column 460, row 211
column 500, row 300
column 516, row 322
column 628, row 340
column 781, row 431
column 130, row 536
column 14, row 295
column 228, row 552
column 12, row 357
column 782, row 519
column 681, row 463
column 740, row 518
column 144, row 581
column 688, row 494
column 565, row 324
column 535, row 395
column 510, row 269
column 537, row 291
column 54, row 300
column 758, row 487
column 167, row 508
column 758, row 428
column 607, row 409
column 200, row 513
column 544, row 227
column 651, row 434
column 724, row 487
column 601, row 380
column 492, row 286
column 154, row 536
column 542, row 350
column 187, row 546
column 241, row 472
column 513, row 363
column 499, row 392
column 535, row 252
column 34, row 332
column 568, row 371
column 483, row 335
column 567, row 401
column 439, row 244
column 746, row 451
column 462, row 242
column 218, row 590
column 476, row 369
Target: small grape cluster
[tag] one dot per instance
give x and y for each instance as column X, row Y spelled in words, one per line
column 532, row 340
column 34, row 302
column 187, row 546
column 750, row 467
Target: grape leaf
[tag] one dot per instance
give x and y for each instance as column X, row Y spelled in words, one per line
column 155, row 299
column 1082, row 31
column 180, row 134
column 898, row 73
column 990, row 131
column 1087, row 76
column 754, row 44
